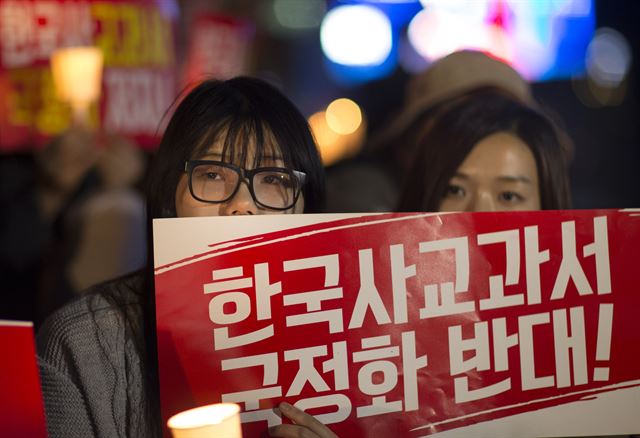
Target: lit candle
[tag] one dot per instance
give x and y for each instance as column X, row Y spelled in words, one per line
column 77, row 77
column 211, row 421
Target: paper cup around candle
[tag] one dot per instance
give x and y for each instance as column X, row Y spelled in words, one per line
column 211, row 421
column 77, row 76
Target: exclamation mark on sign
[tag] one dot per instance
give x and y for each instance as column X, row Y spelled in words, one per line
column 603, row 349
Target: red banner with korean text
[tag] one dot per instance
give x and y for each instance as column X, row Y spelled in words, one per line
column 137, row 38
column 474, row 324
column 21, row 405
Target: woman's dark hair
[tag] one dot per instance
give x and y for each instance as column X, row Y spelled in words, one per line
column 445, row 142
column 238, row 113
column 242, row 113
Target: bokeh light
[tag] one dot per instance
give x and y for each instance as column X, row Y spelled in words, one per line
column 541, row 39
column 332, row 145
column 356, row 35
column 437, row 33
column 608, row 58
column 343, row 116
column 458, row 7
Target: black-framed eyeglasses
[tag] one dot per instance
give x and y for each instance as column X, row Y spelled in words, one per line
column 276, row 188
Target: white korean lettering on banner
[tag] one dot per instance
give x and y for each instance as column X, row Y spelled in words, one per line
column 441, row 301
column 314, row 299
column 497, row 298
column 378, row 352
column 570, row 267
column 250, row 399
column 479, row 361
column 374, row 351
column 533, row 259
column 563, row 345
column 225, row 286
column 570, row 348
column 570, row 340
column 368, row 295
column 307, row 373
column 569, row 334
column 411, row 363
column 399, row 275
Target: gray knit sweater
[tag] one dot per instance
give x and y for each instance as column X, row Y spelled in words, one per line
column 91, row 364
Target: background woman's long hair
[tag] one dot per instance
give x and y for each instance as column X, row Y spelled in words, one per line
column 446, row 141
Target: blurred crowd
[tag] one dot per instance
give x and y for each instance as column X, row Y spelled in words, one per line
column 72, row 215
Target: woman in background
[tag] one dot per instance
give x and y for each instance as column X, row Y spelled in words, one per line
column 236, row 147
column 373, row 180
column 487, row 151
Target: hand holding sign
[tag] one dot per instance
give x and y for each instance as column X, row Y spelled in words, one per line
column 304, row 425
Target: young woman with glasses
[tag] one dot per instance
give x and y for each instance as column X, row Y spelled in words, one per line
column 233, row 147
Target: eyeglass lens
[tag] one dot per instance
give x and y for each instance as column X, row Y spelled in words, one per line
column 212, row 182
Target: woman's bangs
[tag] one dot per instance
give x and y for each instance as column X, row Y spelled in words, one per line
column 250, row 143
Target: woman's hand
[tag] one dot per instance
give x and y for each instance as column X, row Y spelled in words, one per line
column 306, row 426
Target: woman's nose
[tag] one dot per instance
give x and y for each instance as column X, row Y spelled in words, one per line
column 483, row 201
column 242, row 203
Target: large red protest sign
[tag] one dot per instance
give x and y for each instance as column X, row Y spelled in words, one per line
column 405, row 324
column 21, row 406
column 137, row 38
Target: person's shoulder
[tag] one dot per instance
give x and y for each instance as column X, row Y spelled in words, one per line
column 106, row 308
column 114, row 295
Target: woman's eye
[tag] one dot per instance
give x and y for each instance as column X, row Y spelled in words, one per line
column 213, row 176
column 208, row 174
column 276, row 180
column 454, row 191
column 511, row 197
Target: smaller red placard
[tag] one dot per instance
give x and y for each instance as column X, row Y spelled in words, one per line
column 21, row 405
